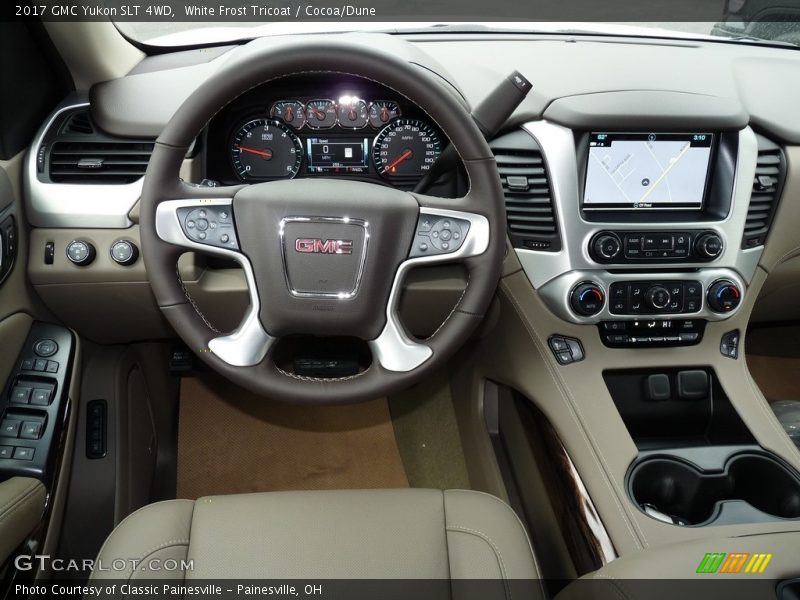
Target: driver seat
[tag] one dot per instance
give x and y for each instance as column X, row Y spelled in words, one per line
column 342, row 534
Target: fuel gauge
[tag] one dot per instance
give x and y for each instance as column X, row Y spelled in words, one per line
column 382, row 111
column 291, row 112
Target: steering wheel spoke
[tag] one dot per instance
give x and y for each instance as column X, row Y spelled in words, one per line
column 208, row 225
column 442, row 235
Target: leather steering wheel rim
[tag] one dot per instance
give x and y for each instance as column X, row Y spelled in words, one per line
column 163, row 192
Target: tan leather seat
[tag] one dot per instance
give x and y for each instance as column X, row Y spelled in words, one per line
column 22, row 501
column 376, row 534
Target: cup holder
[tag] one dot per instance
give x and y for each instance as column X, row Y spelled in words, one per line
column 691, row 496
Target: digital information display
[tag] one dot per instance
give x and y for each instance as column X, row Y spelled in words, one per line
column 337, row 154
column 647, row 170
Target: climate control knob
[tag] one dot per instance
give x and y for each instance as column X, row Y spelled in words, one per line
column 606, row 246
column 708, row 245
column 723, row 296
column 658, row 297
column 587, row 299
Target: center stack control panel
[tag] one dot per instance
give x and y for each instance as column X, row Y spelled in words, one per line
column 634, row 307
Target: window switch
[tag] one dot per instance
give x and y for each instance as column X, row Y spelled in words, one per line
column 40, row 397
column 21, row 394
column 31, row 430
column 10, row 428
column 6, row 451
column 21, row 453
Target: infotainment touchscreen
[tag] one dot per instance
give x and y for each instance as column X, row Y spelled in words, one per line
column 647, row 170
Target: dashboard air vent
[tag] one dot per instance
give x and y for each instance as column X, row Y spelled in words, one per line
column 530, row 212
column 98, row 162
column 79, row 123
column 770, row 173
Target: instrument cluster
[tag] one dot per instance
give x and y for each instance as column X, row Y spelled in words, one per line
column 357, row 129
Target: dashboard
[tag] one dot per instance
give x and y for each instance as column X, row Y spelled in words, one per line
column 631, row 195
column 322, row 126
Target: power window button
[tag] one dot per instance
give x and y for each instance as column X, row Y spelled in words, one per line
column 10, row 428
column 21, row 453
column 21, row 394
column 40, row 397
column 30, row 430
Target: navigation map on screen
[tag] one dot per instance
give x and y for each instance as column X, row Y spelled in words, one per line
column 664, row 170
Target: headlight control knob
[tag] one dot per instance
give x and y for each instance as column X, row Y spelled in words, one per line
column 723, row 296
column 81, row 252
column 587, row 299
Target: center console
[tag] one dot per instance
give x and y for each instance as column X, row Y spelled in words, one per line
column 698, row 463
column 660, row 242
column 651, row 227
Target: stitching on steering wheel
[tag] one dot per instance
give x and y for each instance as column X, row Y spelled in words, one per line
column 331, row 379
column 453, row 310
column 193, row 303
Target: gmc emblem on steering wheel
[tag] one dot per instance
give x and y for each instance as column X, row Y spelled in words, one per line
column 318, row 246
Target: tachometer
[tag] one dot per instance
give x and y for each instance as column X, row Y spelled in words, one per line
column 266, row 149
column 406, row 148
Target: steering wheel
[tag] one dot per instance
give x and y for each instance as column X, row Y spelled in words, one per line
column 321, row 257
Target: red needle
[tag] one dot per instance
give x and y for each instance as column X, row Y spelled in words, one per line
column 262, row 153
column 289, row 114
column 385, row 113
column 404, row 156
column 318, row 113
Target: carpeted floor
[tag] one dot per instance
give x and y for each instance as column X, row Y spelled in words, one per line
column 777, row 377
column 232, row 441
column 427, row 434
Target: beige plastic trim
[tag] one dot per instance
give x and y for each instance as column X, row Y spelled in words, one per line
column 576, row 400
column 93, row 51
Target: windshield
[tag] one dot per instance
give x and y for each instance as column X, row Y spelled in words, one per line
column 783, row 32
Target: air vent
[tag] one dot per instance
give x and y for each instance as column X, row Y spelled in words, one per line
column 109, row 162
column 529, row 205
column 767, row 184
column 79, row 124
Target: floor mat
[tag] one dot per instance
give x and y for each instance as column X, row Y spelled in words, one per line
column 777, row 377
column 232, row 441
column 427, row 434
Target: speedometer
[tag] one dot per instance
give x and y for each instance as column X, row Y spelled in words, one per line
column 406, row 148
column 266, row 149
